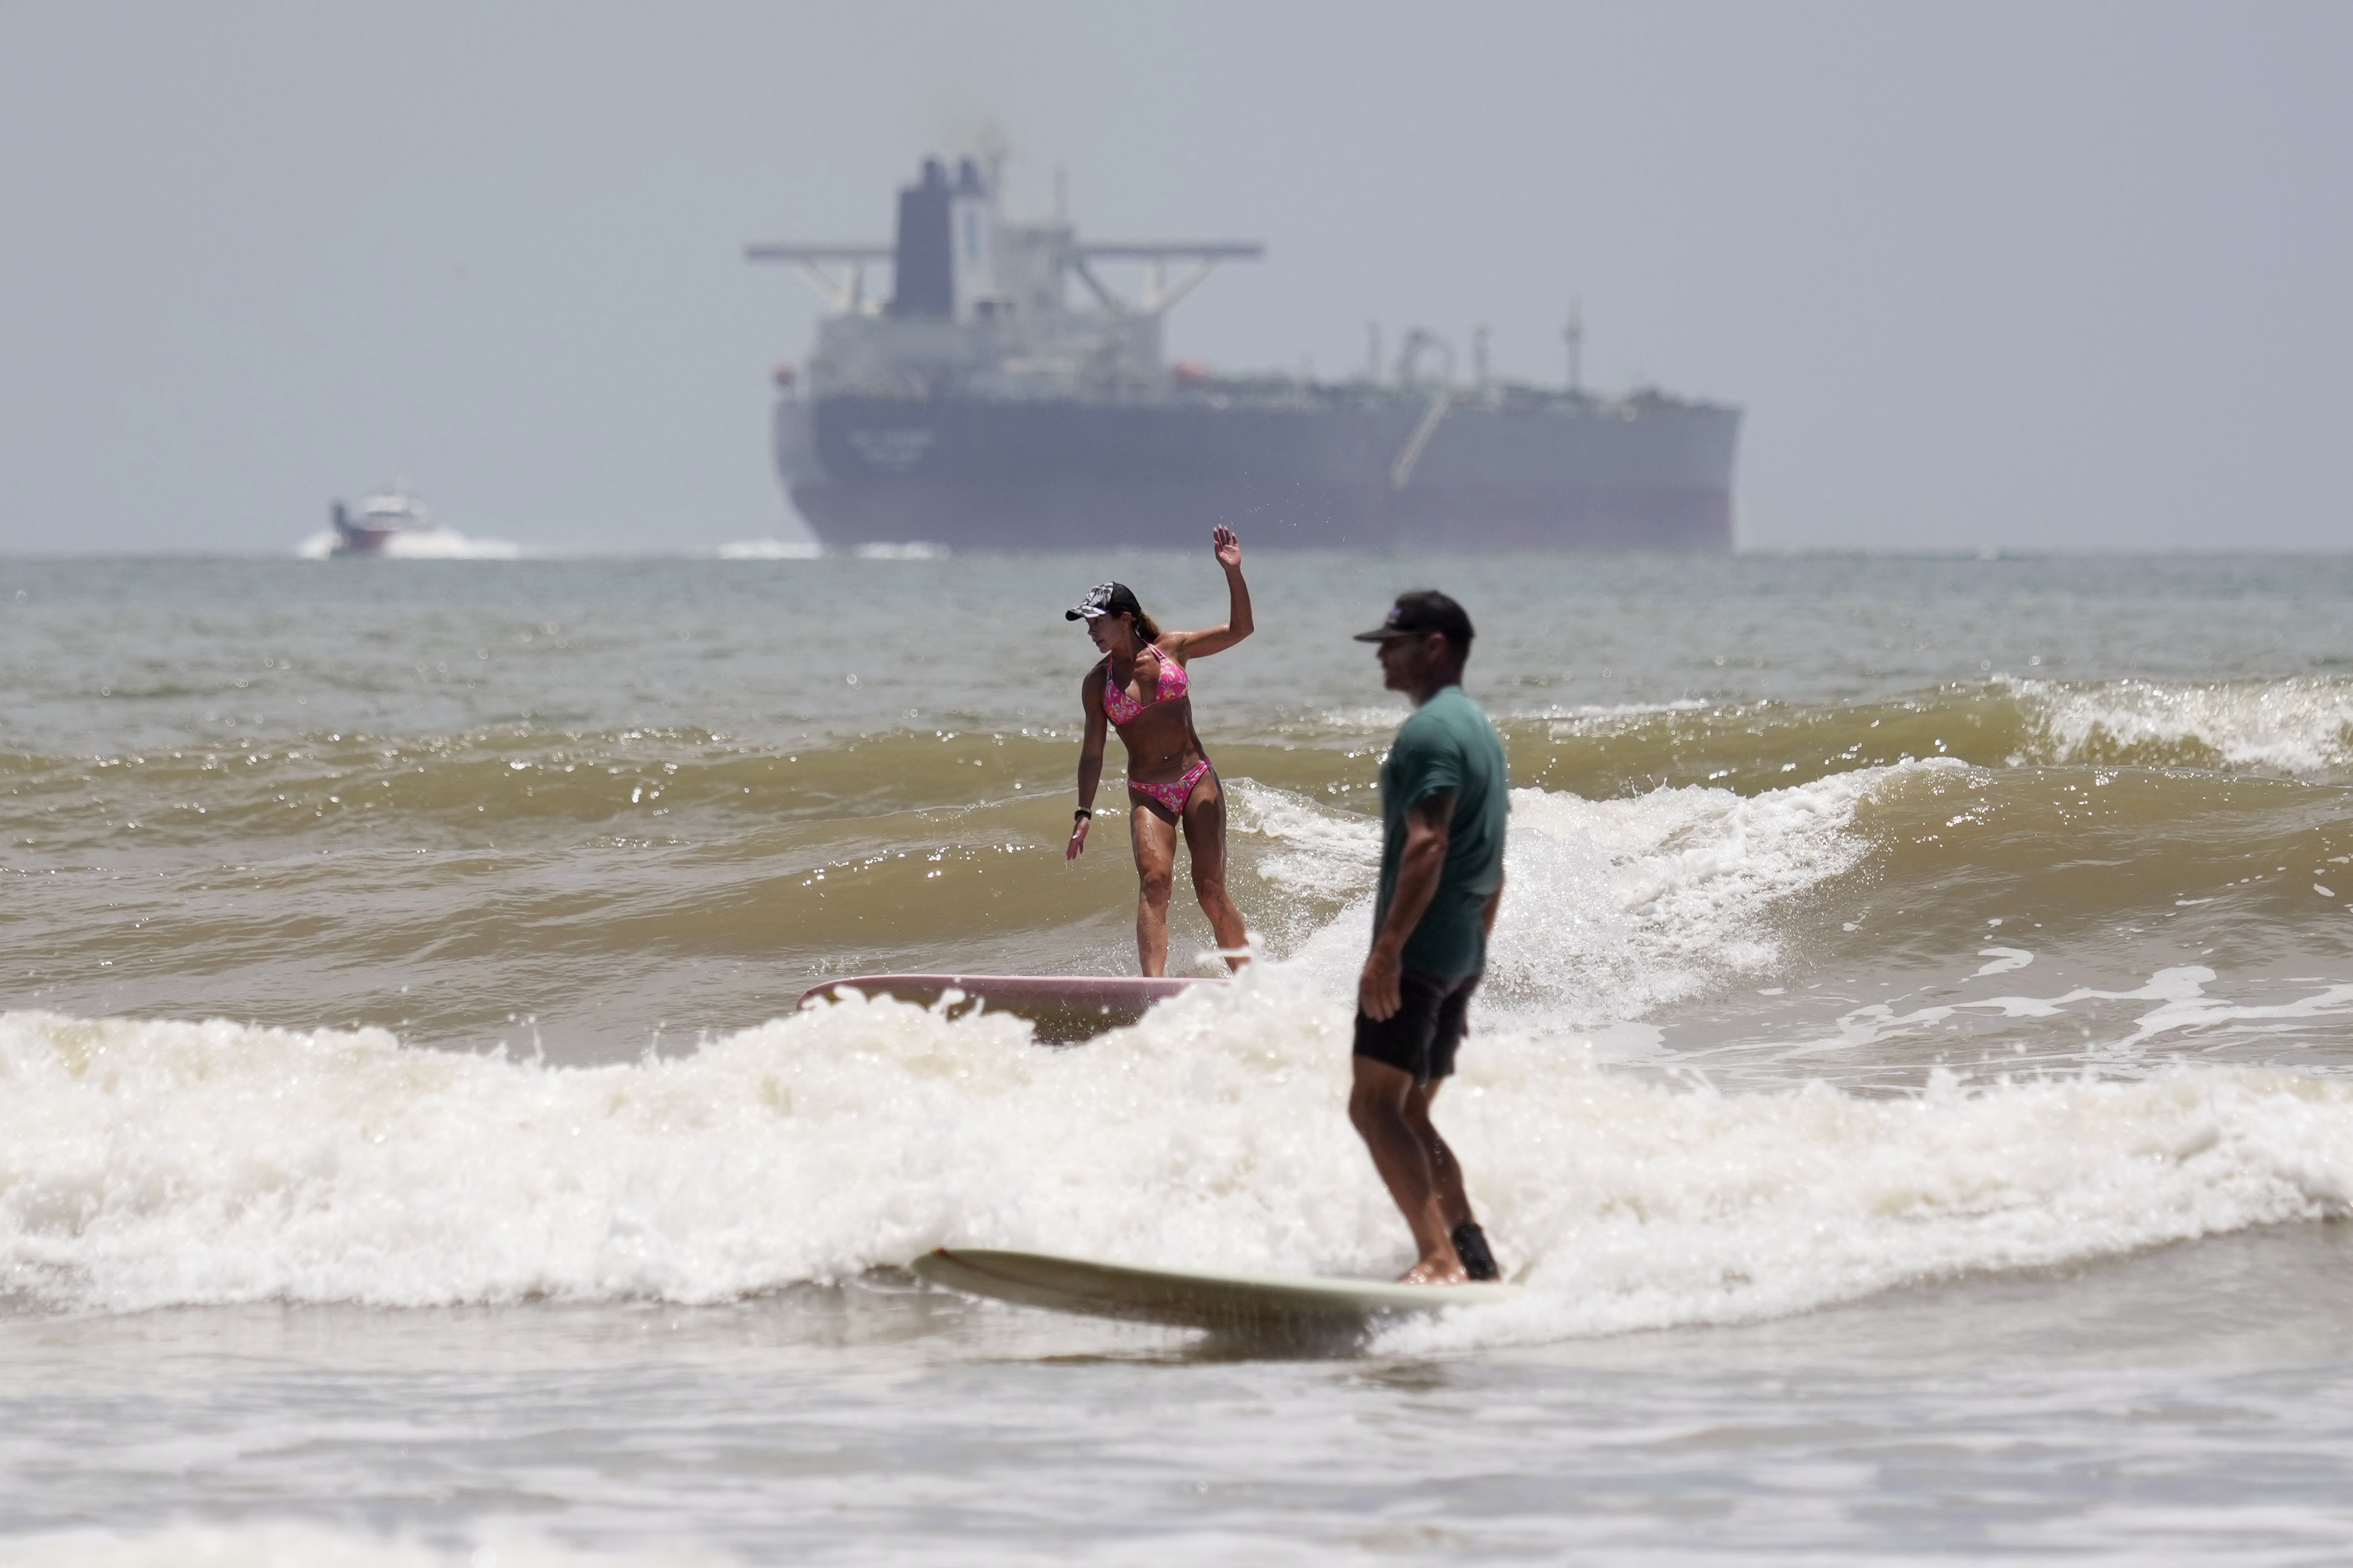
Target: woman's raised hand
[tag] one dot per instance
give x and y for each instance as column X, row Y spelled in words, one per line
column 1228, row 545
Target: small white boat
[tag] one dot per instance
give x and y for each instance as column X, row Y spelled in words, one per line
column 378, row 521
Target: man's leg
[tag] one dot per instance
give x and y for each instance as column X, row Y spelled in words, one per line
column 1453, row 1022
column 1377, row 1106
column 1446, row 1172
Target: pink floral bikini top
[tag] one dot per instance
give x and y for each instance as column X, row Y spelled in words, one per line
column 1120, row 707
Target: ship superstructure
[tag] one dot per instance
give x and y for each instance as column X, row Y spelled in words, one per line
column 1004, row 392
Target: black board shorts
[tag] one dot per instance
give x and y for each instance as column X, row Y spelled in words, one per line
column 1420, row 1037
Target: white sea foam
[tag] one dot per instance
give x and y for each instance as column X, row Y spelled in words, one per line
column 2298, row 725
column 448, row 545
column 772, row 550
column 916, row 550
column 1613, row 907
column 145, row 1163
column 1318, row 859
column 151, row 1163
column 424, row 544
column 2182, row 1008
column 1584, row 717
column 1658, row 1206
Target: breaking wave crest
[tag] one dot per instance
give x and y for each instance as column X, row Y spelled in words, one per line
column 151, row 1164
column 1615, row 907
column 152, row 1161
column 2296, row 727
column 2293, row 727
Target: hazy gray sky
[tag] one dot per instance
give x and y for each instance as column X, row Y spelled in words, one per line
column 2040, row 275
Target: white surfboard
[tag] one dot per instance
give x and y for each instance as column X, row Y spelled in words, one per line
column 1234, row 1302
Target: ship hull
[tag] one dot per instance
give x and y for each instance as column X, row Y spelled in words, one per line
column 350, row 540
column 978, row 474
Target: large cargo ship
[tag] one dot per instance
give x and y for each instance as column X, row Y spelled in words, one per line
column 977, row 404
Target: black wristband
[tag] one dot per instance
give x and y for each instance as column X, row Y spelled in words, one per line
column 1086, row 811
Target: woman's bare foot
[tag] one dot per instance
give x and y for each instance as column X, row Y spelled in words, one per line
column 1435, row 1271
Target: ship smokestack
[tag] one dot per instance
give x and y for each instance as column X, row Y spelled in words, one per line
column 924, row 266
column 972, row 228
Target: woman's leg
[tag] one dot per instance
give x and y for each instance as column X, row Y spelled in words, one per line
column 1205, row 839
column 1155, row 838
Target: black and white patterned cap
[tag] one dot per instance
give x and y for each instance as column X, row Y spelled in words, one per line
column 1105, row 599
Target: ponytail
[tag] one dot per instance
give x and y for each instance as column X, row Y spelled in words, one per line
column 1146, row 628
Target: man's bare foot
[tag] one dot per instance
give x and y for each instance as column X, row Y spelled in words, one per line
column 1435, row 1271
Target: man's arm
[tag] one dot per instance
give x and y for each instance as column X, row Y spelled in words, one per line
column 1494, row 906
column 1429, row 829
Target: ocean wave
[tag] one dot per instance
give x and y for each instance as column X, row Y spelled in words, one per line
column 2301, row 729
column 1613, row 908
column 512, row 776
column 146, row 1164
column 2182, row 1007
column 2291, row 727
column 2297, row 726
column 682, row 876
column 1660, row 1206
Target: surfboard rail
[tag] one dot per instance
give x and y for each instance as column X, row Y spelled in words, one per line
column 1065, row 1008
column 1190, row 1299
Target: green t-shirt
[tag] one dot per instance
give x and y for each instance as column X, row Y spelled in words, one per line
column 1448, row 747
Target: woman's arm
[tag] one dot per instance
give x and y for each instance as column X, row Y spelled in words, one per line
column 1091, row 751
column 1182, row 645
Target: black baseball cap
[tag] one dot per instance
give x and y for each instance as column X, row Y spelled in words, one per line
column 1105, row 599
column 1417, row 613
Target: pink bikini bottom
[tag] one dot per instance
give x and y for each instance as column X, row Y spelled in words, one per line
column 1173, row 796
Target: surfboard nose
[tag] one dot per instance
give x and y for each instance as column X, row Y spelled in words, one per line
column 1065, row 1008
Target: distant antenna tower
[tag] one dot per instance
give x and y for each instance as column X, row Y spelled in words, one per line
column 1573, row 335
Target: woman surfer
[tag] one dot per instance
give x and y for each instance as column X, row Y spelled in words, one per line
column 1140, row 688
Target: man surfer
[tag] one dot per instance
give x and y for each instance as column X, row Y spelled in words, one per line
column 1444, row 792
